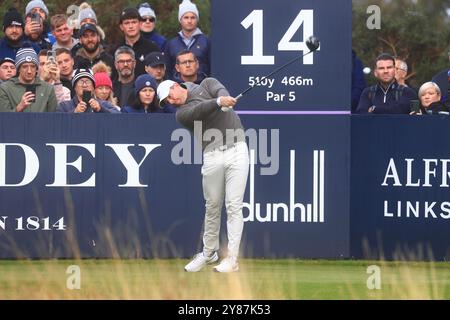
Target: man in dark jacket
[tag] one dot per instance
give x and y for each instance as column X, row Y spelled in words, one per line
column 13, row 29
column 34, row 31
column 188, row 68
column 123, row 86
column 189, row 38
column 148, row 24
column 387, row 96
column 92, row 50
column 130, row 20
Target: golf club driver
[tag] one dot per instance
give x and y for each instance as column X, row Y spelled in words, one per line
column 312, row 43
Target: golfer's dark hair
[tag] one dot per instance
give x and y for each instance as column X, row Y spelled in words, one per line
column 384, row 57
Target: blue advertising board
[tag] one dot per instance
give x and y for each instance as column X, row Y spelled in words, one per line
column 252, row 38
column 119, row 185
column 400, row 187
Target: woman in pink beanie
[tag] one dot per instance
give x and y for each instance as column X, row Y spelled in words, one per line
column 103, row 83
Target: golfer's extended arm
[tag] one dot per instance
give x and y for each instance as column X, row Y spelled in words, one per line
column 197, row 110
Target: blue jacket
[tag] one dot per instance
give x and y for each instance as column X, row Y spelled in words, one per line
column 396, row 100
column 8, row 51
column 200, row 77
column 69, row 106
column 156, row 38
column 200, row 46
column 166, row 109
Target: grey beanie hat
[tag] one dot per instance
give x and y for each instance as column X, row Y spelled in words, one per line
column 87, row 13
column 36, row 4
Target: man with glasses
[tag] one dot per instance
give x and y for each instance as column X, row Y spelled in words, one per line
column 130, row 21
column 190, row 37
column 148, row 24
column 187, row 67
column 84, row 100
column 123, row 86
column 91, row 50
column 401, row 70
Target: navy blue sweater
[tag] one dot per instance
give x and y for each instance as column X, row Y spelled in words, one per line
column 387, row 101
column 200, row 46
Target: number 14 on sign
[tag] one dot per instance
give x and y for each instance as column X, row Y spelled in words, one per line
column 255, row 18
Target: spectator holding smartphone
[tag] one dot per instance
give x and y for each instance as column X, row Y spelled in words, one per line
column 15, row 95
column 13, row 30
column 34, row 31
column 49, row 72
column 84, row 101
column 39, row 7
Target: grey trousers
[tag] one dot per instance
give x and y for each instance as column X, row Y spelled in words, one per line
column 225, row 175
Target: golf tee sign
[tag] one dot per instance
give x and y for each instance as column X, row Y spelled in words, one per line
column 252, row 38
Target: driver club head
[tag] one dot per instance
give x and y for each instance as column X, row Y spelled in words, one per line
column 312, row 43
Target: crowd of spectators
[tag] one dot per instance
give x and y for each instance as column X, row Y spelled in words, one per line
column 47, row 64
column 392, row 94
column 42, row 57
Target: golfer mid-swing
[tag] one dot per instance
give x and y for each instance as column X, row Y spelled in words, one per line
column 225, row 162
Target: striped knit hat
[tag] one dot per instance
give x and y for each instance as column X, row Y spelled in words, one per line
column 83, row 73
column 26, row 55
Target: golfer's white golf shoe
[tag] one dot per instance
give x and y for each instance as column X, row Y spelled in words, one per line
column 200, row 261
column 229, row 264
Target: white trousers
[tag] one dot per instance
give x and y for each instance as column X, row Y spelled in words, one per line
column 224, row 178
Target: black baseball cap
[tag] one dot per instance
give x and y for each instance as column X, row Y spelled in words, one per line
column 129, row 13
column 87, row 26
column 154, row 59
column 7, row 59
